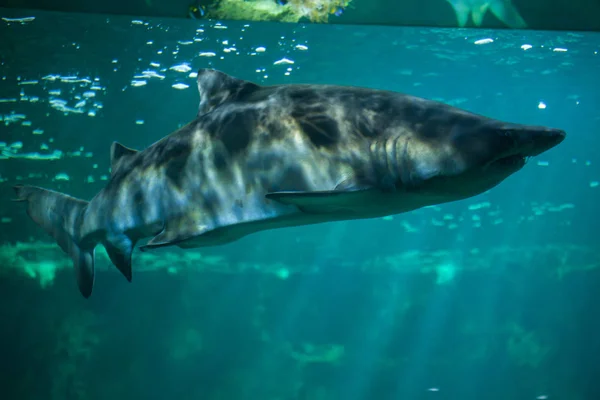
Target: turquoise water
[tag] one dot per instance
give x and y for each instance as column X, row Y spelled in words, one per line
column 488, row 298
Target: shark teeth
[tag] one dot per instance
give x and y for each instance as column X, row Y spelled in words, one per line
column 514, row 159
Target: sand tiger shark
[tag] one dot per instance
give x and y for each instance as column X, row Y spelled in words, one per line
column 263, row 157
column 504, row 10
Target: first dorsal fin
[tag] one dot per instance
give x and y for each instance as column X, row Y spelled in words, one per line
column 118, row 155
column 216, row 87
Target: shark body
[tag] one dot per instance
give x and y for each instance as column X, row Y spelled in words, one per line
column 264, row 157
column 504, row 10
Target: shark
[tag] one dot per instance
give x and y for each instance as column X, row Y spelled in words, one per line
column 267, row 157
column 504, row 10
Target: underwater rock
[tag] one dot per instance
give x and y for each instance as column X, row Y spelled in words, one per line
column 41, row 261
column 263, row 10
column 270, row 10
column 185, row 343
column 310, row 353
column 525, row 347
column 76, row 338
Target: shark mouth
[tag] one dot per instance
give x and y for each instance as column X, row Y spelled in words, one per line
column 512, row 161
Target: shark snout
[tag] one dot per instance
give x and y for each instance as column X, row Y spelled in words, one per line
column 514, row 144
column 534, row 140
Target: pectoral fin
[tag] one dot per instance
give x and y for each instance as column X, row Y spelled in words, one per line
column 322, row 202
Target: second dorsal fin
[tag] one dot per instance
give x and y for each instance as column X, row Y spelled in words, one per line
column 119, row 155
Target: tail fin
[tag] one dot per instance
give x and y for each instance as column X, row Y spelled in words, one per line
column 60, row 216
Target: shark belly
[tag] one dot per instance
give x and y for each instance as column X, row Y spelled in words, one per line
column 241, row 207
column 373, row 204
column 258, row 213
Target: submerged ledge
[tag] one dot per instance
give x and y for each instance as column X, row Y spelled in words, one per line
column 41, row 261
